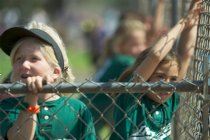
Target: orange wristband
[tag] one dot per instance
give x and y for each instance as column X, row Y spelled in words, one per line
column 34, row 109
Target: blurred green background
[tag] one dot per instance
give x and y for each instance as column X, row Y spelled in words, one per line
column 4, row 65
column 72, row 19
column 82, row 24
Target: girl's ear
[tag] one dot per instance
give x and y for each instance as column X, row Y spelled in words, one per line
column 56, row 72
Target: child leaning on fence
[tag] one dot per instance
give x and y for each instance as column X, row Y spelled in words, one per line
column 38, row 57
column 149, row 115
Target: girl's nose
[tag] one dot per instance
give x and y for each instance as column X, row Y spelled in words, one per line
column 26, row 64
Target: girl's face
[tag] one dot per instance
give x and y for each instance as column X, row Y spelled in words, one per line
column 29, row 61
column 135, row 44
column 167, row 72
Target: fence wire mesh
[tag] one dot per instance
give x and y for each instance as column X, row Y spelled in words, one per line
column 196, row 113
column 187, row 128
column 191, row 120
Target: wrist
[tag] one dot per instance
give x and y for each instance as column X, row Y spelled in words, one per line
column 33, row 109
column 25, row 106
column 31, row 99
column 183, row 23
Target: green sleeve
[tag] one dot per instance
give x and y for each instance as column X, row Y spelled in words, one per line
column 114, row 68
column 88, row 130
column 125, row 105
column 5, row 123
column 7, row 116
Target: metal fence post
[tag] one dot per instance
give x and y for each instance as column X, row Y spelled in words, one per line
column 205, row 107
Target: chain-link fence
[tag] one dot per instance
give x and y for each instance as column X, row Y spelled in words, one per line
column 189, row 118
column 184, row 127
column 198, row 102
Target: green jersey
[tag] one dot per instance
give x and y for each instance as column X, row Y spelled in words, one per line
column 113, row 68
column 145, row 119
column 110, row 71
column 60, row 119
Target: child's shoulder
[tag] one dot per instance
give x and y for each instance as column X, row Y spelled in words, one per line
column 74, row 102
column 123, row 58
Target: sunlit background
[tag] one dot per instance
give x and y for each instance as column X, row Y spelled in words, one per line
column 76, row 21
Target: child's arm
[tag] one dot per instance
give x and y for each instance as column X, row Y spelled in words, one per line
column 165, row 44
column 187, row 40
column 158, row 23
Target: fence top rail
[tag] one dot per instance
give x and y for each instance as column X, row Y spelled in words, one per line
column 108, row 87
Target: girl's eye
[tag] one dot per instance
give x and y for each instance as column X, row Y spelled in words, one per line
column 160, row 77
column 34, row 59
column 17, row 59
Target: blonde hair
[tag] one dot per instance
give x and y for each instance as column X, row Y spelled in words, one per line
column 47, row 50
column 124, row 29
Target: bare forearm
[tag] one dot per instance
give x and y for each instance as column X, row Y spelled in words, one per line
column 159, row 51
column 159, row 17
column 187, row 42
column 165, row 44
column 24, row 127
column 186, row 49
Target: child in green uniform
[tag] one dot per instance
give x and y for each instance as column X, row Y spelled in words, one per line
column 120, row 51
column 38, row 57
column 149, row 115
column 128, row 41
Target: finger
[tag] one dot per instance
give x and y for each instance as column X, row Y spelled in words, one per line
column 195, row 4
column 39, row 83
column 28, row 83
column 34, row 85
